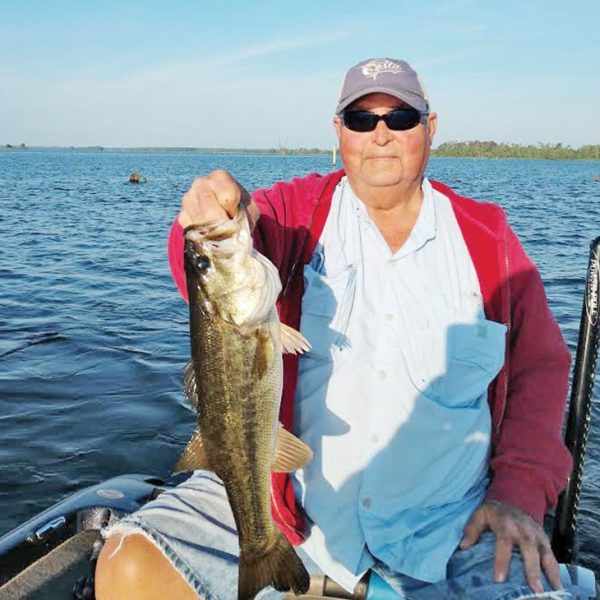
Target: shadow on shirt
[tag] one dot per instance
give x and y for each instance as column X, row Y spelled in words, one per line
column 417, row 462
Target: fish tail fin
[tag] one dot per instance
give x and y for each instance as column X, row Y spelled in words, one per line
column 279, row 567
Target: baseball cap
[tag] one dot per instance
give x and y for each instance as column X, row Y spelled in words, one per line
column 386, row 75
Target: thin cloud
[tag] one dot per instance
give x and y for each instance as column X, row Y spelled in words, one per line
column 308, row 41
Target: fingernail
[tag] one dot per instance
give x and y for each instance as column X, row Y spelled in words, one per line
column 500, row 577
column 539, row 588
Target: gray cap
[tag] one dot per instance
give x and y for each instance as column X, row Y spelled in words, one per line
column 386, row 75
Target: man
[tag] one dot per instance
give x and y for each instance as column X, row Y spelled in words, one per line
column 433, row 394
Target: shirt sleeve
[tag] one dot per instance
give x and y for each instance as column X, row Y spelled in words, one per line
column 530, row 462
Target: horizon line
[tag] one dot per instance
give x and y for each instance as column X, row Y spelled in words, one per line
column 24, row 146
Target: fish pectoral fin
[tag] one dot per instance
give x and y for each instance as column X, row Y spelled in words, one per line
column 264, row 353
column 291, row 453
column 189, row 385
column 193, row 456
column 293, row 341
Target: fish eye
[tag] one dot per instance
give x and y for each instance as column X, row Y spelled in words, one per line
column 202, row 262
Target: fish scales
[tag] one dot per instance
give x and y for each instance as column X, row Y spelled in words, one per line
column 238, row 419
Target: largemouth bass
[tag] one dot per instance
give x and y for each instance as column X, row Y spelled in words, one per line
column 235, row 379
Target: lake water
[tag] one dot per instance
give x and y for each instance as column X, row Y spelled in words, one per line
column 93, row 335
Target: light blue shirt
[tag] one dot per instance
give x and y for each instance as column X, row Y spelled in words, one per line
column 392, row 396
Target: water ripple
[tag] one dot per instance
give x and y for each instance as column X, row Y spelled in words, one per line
column 93, row 335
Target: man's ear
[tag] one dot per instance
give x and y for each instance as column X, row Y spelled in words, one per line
column 432, row 126
column 337, row 126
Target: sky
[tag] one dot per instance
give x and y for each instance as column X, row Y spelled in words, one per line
column 266, row 74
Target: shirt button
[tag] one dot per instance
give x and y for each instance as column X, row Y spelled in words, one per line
column 381, row 374
column 367, row 503
column 375, row 438
column 388, row 317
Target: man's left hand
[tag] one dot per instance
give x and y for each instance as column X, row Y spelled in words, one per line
column 513, row 527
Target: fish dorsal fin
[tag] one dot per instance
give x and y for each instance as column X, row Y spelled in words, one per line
column 193, row 456
column 293, row 341
column 264, row 352
column 189, row 385
column 290, row 452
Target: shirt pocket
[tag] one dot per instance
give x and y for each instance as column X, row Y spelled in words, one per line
column 326, row 310
column 453, row 364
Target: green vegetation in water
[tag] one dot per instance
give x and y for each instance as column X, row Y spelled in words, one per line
column 477, row 149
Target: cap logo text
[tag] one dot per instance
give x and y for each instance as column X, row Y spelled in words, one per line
column 376, row 67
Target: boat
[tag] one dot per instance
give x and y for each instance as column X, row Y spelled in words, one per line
column 45, row 557
column 52, row 555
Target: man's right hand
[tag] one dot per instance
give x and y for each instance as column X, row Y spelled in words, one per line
column 215, row 196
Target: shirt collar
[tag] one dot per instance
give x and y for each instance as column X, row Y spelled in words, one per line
column 424, row 229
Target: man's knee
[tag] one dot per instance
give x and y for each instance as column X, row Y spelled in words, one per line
column 131, row 566
column 120, row 565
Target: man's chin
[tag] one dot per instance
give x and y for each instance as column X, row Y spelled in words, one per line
column 382, row 179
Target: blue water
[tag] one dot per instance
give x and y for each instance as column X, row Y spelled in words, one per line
column 93, row 335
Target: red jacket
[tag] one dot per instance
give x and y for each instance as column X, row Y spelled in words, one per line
column 530, row 464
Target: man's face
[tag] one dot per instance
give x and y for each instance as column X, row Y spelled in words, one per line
column 382, row 158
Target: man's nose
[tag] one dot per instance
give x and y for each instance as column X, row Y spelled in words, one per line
column 382, row 133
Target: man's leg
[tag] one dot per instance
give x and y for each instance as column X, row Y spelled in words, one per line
column 470, row 575
column 181, row 545
column 130, row 566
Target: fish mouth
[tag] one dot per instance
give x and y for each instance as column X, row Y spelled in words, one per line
column 214, row 230
column 211, row 231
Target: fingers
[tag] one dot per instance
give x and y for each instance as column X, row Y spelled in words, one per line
column 536, row 556
column 504, row 548
column 539, row 559
column 227, row 191
column 212, row 197
column 513, row 527
column 531, row 563
column 473, row 529
column 551, row 567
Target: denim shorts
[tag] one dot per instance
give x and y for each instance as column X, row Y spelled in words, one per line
column 193, row 526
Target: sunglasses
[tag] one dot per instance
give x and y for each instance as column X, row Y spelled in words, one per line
column 399, row 119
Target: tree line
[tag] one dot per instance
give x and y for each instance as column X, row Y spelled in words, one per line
column 471, row 149
column 478, row 149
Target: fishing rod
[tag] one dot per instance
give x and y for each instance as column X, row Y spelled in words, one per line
column 580, row 407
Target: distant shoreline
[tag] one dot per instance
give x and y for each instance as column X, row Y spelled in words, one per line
column 487, row 149
column 471, row 149
column 267, row 151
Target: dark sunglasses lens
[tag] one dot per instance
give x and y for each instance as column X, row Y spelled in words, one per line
column 396, row 120
column 401, row 120
column 360, row 120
